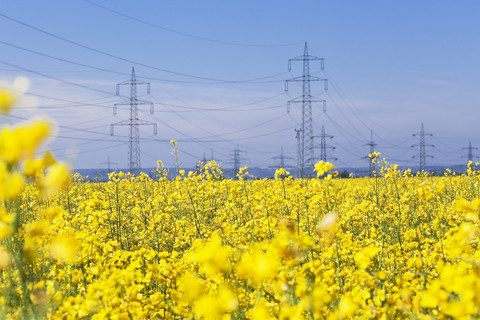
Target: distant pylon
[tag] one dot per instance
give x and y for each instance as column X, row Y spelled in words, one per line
column 324, row 146
column 201, row 163
column 133, row 122
column 205, row 160
column 306, row 133
column 371, row 144
column 108, row 163
column 470, row 156
column 236, row 161
column 422, row 155
column 299, row 153
column 281, row 160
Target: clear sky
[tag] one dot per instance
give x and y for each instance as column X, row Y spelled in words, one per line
column 217, row 71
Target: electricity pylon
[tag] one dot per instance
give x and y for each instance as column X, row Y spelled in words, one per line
column 470, row 149
column 133, row 122
column 371, row 144
column 299, row 153
column 281, row 160
column 108, row 163
column 237, row 159
column 306, row 133
column 422, row 155
column 324, row 146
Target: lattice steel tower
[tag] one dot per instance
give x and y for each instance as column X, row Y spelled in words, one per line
column 324, row 146
column 299, row 153
column 371, row 144
column 108, row 163
column 306, row 133
column 237, row 160
column 133, row 122
column 282, row 160
column 470, row 149
column 422, row 155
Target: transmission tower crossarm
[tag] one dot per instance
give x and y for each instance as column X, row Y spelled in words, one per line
column 470, row 156
column 302, row 79
column 137, row 102
column 305, row 56
column 133, row 81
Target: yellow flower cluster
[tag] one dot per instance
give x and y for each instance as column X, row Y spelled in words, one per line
column 25, row 181
column 322, row 167
column 204, row 248
column 396, row 246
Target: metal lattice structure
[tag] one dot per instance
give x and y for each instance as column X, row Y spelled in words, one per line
column 299, row 153
column 324, row 146
column 470, row 156
column 371, row 144
column 422, row 155
column 236, row 161
column 133, row 123
column 108, row 164
column 282, row 158
column 307, row 156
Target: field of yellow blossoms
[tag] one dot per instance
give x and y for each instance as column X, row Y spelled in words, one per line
column 394, row 246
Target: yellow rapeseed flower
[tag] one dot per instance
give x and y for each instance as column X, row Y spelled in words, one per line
column 57, row 177
column 11, row 183
column 5, row 258
column 257, row 266
column 35, row 167
column 470, row 209
column 260, row 311
column 64, row 249
column 10, row 96
column 192, row 287
column 22, row 141
column 364, row 256
column 5, row 230
column 346, row 308
column 212, row 256
column 323, row 167
column 7, row 100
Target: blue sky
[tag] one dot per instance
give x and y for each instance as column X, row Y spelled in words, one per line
column 391, row 66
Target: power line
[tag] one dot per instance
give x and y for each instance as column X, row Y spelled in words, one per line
column 257, row 80
column 55, row 78
column 229, row 108
column 125, row 59
column 187, row 34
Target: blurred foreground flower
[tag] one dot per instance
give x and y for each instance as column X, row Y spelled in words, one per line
column 10, row 96
column 323, row 167
column 364, row 257
column 64, row 249
column 22, row 142
column 256, row 266
column 5, row 258
column 57, row 177
column 211, row 257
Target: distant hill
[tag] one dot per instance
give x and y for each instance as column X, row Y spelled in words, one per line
column 101, row 174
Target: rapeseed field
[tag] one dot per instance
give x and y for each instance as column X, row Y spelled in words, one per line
column 393, row 246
